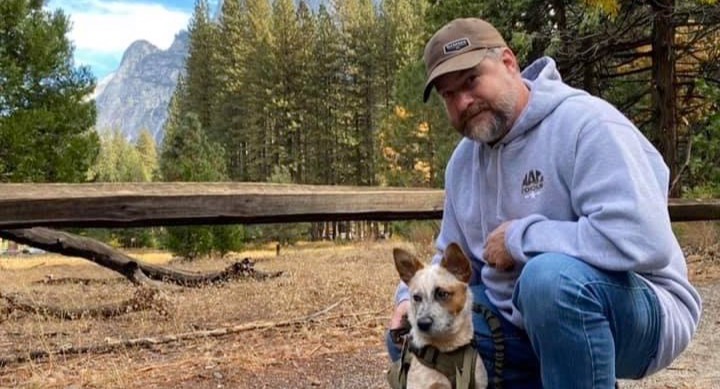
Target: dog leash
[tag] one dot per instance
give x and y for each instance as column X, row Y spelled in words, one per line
column 498, row 341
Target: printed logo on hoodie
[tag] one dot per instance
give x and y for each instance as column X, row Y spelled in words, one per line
column 532, row 184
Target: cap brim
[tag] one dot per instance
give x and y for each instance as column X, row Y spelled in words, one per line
column 463, row 61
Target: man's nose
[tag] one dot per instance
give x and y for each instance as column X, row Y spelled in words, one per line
column 463, row 100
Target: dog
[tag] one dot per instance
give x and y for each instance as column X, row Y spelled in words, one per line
column 440, row 318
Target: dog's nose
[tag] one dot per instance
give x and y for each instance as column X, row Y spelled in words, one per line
column 424, row 323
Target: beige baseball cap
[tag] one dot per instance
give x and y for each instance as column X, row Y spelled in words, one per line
column 459, row 45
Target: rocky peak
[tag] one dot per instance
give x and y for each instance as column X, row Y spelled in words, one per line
column 181, row 43
column 138, row 93
column 136, row 52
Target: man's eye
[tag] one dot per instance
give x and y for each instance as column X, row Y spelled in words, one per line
column 472, row 80
column 417, row 298
column 442, row 295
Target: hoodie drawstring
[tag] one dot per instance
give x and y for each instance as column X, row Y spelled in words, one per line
column 501, row 146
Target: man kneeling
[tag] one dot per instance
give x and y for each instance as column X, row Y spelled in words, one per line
column 560, row 203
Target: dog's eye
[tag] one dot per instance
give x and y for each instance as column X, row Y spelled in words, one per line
column 442, row 295
column 417, row 298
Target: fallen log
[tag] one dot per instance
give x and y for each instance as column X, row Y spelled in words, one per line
column 51, row 280
column 238, row 270
column 144, row 299
column 135, row 271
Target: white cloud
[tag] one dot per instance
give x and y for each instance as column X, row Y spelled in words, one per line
column 107, row 27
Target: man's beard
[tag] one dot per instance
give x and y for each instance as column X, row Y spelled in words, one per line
column 488, row 129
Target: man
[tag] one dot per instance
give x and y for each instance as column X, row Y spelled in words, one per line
column 561, row 204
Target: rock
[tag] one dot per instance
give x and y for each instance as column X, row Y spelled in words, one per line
column 137, row 95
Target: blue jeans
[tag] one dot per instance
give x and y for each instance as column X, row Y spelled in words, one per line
column 585, row 327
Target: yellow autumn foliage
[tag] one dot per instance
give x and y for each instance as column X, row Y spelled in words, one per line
column 389, row 153
column 423, row 129
column 610, row 7
column 423, row 168
column 401, row 112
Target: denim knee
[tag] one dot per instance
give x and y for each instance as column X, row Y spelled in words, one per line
column 542, row 286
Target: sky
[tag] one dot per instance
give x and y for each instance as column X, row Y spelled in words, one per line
column 101, row 30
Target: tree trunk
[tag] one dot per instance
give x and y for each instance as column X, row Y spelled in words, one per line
column 663, row 73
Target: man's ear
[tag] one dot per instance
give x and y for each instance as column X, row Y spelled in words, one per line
column 406, row 264
column 509, row 60
column 457, row 263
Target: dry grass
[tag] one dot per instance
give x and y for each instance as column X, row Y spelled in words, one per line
column 697, row 234
column 343, row 349
column 316, row 276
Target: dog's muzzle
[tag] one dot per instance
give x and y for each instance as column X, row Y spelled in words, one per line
column 425, row 323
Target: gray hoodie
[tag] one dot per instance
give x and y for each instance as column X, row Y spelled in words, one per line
column 575, row 176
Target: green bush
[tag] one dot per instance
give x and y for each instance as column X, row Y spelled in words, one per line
column 189, row 243
column 227, row 239
column 417, row 231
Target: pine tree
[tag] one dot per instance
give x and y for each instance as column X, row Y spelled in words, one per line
column 415, row 140
column 325, row 98
column 46, row 117
column 306, row 112
column 188, row 155
column 403, row 35
column 145, row 147
column 287, row 118
column 358, row 19
column 200, row 69
column 259, row 135
column 232, row 117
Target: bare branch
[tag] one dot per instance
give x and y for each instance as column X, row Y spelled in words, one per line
column 113, row 344
column 144, row 299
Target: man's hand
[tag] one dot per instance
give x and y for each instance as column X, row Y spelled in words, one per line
column 496, row 254
column 398, row 319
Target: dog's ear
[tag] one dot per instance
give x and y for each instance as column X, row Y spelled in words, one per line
column 457, row 263
column 406, row 264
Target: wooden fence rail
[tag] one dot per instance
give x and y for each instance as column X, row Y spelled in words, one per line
column 154, row 204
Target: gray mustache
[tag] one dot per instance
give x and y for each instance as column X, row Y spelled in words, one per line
column 472, row 111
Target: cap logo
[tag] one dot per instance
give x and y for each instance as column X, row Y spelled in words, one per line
column 456, row 45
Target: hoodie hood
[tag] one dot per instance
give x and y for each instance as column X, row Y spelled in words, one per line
column 547, row 91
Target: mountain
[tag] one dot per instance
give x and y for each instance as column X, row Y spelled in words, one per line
column 137, row 94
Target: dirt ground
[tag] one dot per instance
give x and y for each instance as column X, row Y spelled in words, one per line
column 319, row 325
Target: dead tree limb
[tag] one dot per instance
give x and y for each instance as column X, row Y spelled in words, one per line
column 241, row 269
column 50, row 280
column 144, row 299
column 136, row 271
column 147, row 342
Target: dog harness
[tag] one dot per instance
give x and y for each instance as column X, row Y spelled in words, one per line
column 457, row 365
